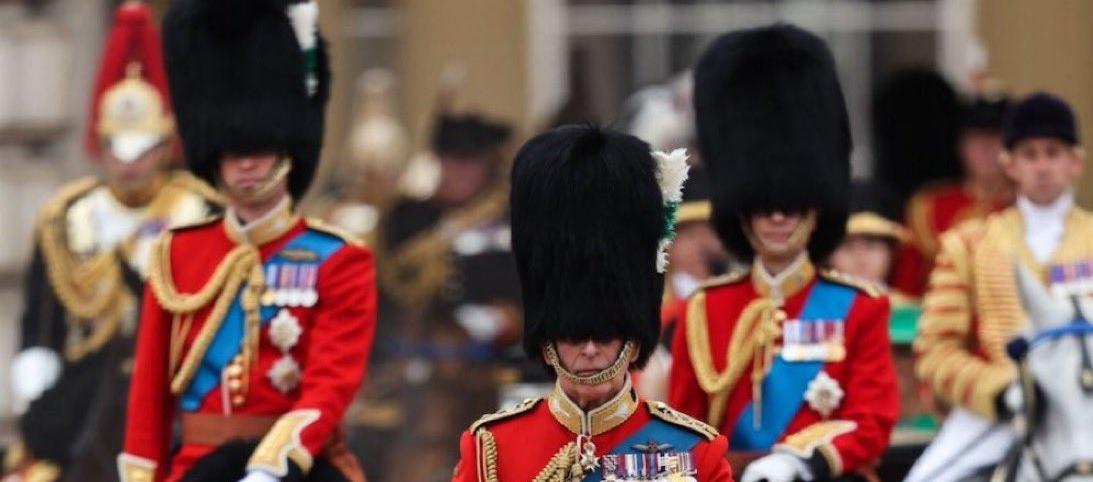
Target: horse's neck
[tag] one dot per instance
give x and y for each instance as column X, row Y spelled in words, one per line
column 1063, row 435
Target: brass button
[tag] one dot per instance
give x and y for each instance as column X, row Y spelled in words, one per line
column 235, row 385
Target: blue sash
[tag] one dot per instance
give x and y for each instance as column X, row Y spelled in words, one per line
column 229, row 337
column 784, row 386
column 658, row 431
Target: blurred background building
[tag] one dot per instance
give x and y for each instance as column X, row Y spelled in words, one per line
column 530, row 63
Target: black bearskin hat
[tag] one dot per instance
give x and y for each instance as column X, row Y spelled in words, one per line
column 468, row 135
column 916, row 122
column 587, row 218
column 773, row 131
column 229, row 462
column 241, row 82
column 984, row 113
column 1040, row 115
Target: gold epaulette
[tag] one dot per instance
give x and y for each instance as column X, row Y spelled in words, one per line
column 668, row 414
column 870, row 289
column 68, row 193
column 489, row 418
column 725, row 279
column 325, row 227
column 189, row 182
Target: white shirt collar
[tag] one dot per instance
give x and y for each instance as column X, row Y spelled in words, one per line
column 1044, row 224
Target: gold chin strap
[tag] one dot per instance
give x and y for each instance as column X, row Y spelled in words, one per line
column 262, row 191
column 797, row 241
column 621, row 363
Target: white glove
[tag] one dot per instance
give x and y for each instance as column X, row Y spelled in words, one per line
column 33, row 371
column 260, row 476
column 1014, row 398
column 776, row 467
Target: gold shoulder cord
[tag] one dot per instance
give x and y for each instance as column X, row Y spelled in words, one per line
column 241, row 264
column 760, row 313
column 91, row 290
column 486, row 455
column 562, row 467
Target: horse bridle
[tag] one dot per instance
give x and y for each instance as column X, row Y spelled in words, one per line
column 1018, row 349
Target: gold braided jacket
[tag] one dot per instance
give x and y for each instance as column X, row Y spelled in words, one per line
column 971, row 308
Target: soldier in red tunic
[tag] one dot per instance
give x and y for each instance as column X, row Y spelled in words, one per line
column 937, row 207
column 592, row 215
column 784, row 357
column 255, row 327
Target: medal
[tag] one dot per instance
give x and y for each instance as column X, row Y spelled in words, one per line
column 648, row 466
column 268, row 297
column 281, row 294
column 813, row 340
column 311, row 294
column 298, row 289
column 294, row 292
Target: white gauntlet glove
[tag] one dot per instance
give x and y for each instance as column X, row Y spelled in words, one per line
column 33, row 371
column 776, row 467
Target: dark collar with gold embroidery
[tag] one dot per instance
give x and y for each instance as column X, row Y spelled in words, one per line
column 269, row 227
column 597, row 421
column 785, row 284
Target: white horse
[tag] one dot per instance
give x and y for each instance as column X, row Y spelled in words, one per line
column 1056, row 402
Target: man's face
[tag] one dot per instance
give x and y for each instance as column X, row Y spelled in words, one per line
column 461, row 178
column 1044, row 168
column 134, row 175
column 865, row 257
column 245, row 174
column 775, row 233
column 979, row 151
column 589, row 357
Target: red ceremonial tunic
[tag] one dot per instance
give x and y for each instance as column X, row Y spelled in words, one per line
column 856, row 430
column 519, row 444
column 930, row 212
column 311, row 354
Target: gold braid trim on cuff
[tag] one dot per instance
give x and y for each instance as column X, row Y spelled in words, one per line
column 486, row 448
column 136, row 469
column 282, row 443
column 818, row 436
column 760, row 312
